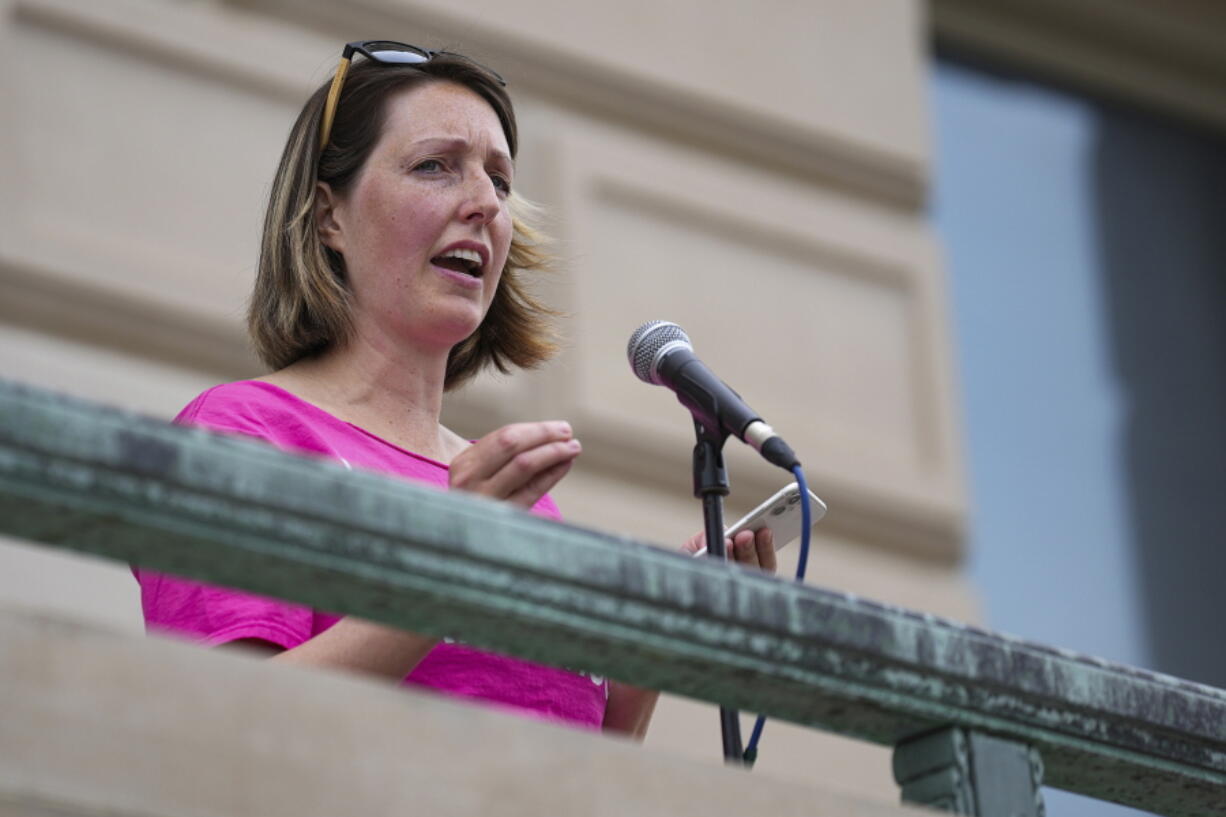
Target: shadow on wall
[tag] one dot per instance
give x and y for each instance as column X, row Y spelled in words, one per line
column 1162, row 229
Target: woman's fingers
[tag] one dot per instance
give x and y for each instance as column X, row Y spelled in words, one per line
column 742, row 550
column 764, row 544
column 696, row 543
column 490, row 454
column 751, row 549
column 531, row 467
column 538, row 486
column 519, row 462
column 748, row 549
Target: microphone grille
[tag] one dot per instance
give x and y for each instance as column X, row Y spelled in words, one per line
column 647, row 341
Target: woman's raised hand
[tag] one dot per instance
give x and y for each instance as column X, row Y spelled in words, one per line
column 747, row 548
column 518, row 463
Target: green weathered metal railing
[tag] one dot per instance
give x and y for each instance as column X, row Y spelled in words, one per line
column 970, row 712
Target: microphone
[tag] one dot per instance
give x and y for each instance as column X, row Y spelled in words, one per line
column 661, row 353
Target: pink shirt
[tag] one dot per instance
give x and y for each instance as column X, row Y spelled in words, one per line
column 215, row 615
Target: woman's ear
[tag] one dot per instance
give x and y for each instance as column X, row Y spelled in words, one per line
column 326, row 223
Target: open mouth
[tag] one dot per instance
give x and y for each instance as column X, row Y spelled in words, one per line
column 465, row 261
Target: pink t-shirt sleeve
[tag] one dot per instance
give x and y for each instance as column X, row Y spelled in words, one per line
column 215, row 615
column 207, row 613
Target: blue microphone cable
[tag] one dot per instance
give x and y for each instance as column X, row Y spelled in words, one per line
column 802, row 563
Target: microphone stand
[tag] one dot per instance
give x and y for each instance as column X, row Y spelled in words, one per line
column 711, row 485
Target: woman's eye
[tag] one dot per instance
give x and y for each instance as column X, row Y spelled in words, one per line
column 501, row 183
column 429, row 166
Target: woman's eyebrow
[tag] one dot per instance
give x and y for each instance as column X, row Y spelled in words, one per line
column 458, row 143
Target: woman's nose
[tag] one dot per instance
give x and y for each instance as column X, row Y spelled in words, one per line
column 482, row 203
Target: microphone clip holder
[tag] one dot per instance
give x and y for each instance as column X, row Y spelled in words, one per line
column 710, row 475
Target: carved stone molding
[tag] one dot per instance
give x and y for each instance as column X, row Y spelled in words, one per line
column 564, row 74
column 1165, row 55
column 39, row 299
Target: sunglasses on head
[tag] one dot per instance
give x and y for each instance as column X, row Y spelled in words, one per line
column 387, row 52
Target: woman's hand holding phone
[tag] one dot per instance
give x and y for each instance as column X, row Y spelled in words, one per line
column 747, row 548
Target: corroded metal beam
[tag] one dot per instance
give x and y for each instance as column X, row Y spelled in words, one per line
column 239, row 513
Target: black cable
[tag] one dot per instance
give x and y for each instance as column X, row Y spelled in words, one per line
column 806, row 522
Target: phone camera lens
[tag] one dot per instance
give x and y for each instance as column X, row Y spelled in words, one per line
column 778, row 510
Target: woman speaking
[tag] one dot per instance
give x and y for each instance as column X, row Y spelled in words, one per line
column 392, row 269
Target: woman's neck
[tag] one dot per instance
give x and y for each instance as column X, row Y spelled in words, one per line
column 398, row 398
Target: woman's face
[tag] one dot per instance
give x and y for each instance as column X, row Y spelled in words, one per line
column 425, row 229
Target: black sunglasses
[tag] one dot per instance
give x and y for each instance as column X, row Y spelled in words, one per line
column 387, row 52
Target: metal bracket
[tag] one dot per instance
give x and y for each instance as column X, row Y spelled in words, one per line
column 968, row 772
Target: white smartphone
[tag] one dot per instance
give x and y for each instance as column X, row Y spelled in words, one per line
column 781, row 513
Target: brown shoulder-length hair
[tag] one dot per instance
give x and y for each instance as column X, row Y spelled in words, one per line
column 301, row 302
